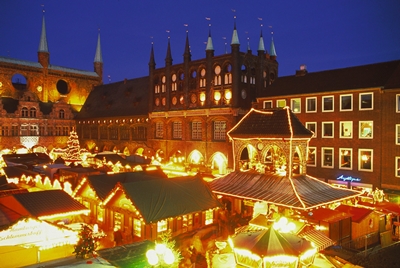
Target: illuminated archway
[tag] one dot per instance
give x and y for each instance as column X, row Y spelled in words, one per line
column 219, row 163
column 196, row 158
column 248, row 157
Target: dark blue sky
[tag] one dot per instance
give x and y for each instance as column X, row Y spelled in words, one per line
column 320, row 34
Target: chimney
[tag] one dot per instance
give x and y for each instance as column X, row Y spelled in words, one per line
column 302, row 71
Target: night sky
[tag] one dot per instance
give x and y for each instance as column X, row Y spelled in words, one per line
column 322, row 35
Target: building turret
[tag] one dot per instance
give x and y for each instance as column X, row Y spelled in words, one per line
column 43, row 51
column 261, row 47
column 98, row 60
column 209, row 67
column 152, row 67
column 236, row 65
column 187, row 57
column 272, row 51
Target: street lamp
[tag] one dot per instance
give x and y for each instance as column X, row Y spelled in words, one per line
column 160, row 255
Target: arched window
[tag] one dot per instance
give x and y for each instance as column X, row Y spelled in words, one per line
column 32, row 113
column 25, row 112
column 228, row 75
column 61, row 114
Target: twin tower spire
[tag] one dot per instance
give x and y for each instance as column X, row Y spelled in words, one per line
column 44, row 54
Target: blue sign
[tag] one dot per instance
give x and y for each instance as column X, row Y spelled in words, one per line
column 349, row 178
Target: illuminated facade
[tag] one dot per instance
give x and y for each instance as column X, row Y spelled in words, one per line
column 354, row 115
column 38, row 100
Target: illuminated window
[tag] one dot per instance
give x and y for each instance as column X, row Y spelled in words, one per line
column 366, row 101
column 312, row 156
column 203, row 77
column 397, row 166
column 346, row 102
column 398, row 134
column 32, row 112
column 295, row 105
column 217, row 77
column 346, row 158
column 280, row 103
column 196, row 130
column 327, row 157
column 366, row 129
column 327, row 129
column 209, row 217
column 173, row 84
column 100, row 214
column 24, row 112
column 365, row 159
column 177, row 130
column 327, row 104
column 219, row 130
column 163, row 85
column 312, row 126
column 157, row 89
column 311, row 105
column 267, row 104
column 162, row 226
column 228, row 75
column 118, row 219
column 159, row 130
column 346, row 129
column 137, row 227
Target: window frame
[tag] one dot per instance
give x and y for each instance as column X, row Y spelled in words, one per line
column 280, row 100
column 197, row 129
column 312, row 123
column 323, row 103
column 308, row 110
column 270, row 102
column 341, row 130
column 315, row 156
column 351, row 103
column 371, row 159
column 323, row 129
column 323, row 149
column 293, row 103
column 397, row 103
column 219, row 134
column 360, row 129
column 397, row 167
column 177, row 132
column 341, row 155
column 360, row 101
column 159, row 130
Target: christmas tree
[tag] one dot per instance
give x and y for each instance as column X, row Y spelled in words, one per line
column 72, row 153
column 86, row 244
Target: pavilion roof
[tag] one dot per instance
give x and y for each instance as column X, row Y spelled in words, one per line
column 299, row 192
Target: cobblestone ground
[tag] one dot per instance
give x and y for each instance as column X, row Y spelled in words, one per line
column 388, row 257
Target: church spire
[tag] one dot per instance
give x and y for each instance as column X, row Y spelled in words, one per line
column 235, row 37
column 168, row 58
column 98, row 56
column 261, row 46
column 152, row 62
column 43, row 39
column 209, row 40
column 43, row 51
column 186, row 55
column 272, row 51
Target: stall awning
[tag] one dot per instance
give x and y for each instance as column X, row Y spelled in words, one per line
column 320, row 240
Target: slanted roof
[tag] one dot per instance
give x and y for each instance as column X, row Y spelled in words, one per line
column 18, row 172
column 273, row 123
column 161, row 199
column 379, row 75
column 125, row 98
column 103, row 184
column 300, row 192
column 8, row 216
column 357, row 213
column 44, row 203
column 326, row 215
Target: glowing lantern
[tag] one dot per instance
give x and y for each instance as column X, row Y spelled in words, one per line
column 217, row 95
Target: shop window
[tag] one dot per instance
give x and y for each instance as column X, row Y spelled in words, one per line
column 295, row 105
column 209, row 217
column 312, row 126
column 327, row 104
column 267, row 105
column 366, row 101
column 312, row 156
column 327, row 129
column 311, row 105
column 346, row 102
column 346, row 129
column 137, row 227
column 365, row 159
column 327, row 157
column 162, row 226
column 366, row 129
column 346, row 158
column 280, row 103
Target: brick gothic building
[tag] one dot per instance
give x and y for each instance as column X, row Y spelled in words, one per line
column 38, row 100
column 183, row 111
